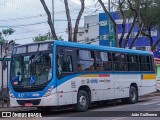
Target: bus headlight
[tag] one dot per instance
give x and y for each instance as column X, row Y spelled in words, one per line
column 11, row 94
column 48, row 93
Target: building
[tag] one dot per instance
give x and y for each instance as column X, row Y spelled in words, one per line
column 80, row 34
column 99, row 28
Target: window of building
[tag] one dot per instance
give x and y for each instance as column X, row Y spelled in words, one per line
column 85, row 60
column 132, row 35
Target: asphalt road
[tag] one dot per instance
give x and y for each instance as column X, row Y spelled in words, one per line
column 145, row 108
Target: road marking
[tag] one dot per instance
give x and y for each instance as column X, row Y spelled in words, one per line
column 155, row 109
column 114, row 118
column 119, row 118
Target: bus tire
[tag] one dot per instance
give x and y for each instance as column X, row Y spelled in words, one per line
column 133, row 95
column 82, row 101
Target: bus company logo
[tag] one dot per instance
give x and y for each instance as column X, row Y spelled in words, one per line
column 6, row 114
column 20, row 115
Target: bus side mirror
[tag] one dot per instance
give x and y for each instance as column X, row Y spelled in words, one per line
column 4, row 65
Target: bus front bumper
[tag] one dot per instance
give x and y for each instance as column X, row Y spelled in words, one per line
column 51, row 100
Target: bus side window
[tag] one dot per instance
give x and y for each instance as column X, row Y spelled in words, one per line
column 103, row 61
column 85, row 60
column 132, row 63
column 64, row 65
column 119, row 62
column 144, row 63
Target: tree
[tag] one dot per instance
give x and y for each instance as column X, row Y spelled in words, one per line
column 145, row 16
column 45, row 37
column 4, row 34
column 8, row 45
column 121, row 7
column 77, row 21
column 151, row 19
column 68, row 19
column 49, row 19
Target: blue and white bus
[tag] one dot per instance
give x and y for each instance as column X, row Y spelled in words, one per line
column 56, row 73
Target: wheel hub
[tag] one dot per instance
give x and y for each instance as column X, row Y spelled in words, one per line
column 82, row 101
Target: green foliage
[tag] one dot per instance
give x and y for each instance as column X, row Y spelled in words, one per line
column 47, row 36
column 8, row 31
column 4, row 34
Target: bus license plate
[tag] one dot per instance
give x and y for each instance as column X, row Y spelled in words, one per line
column 28, row 104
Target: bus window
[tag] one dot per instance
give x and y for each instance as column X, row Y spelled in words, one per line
column 144, row 63
column 69, row 64
column 119, row 62
column 64, row 65
column 86, row 60
column 103, row 61
column 132, row 63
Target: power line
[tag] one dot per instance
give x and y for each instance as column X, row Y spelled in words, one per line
column 25, row 25
column 41, row 15
column 48, row 29
column 34, row 36
column 57, row 20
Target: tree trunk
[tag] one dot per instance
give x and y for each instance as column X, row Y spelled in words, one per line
column 129, row 32
column 77, row 21
column 69, row 21
column 136, row 37
column 114, row 23
column 149, row 36
column 49, row 19
column 133, row 24
column 123, row 24
column 155, row 45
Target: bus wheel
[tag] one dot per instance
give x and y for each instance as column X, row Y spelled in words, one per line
column 82, row 101
column 133, row 95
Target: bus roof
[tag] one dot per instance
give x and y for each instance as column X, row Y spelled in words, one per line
column 96, row 47
column 90, row 46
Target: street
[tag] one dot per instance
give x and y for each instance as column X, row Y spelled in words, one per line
column 108, row 111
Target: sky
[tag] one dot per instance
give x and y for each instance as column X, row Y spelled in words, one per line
column 28, row 18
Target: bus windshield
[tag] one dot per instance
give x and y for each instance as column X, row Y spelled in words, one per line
column 31, row 70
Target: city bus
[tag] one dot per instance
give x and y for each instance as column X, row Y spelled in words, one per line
column 53, row 74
